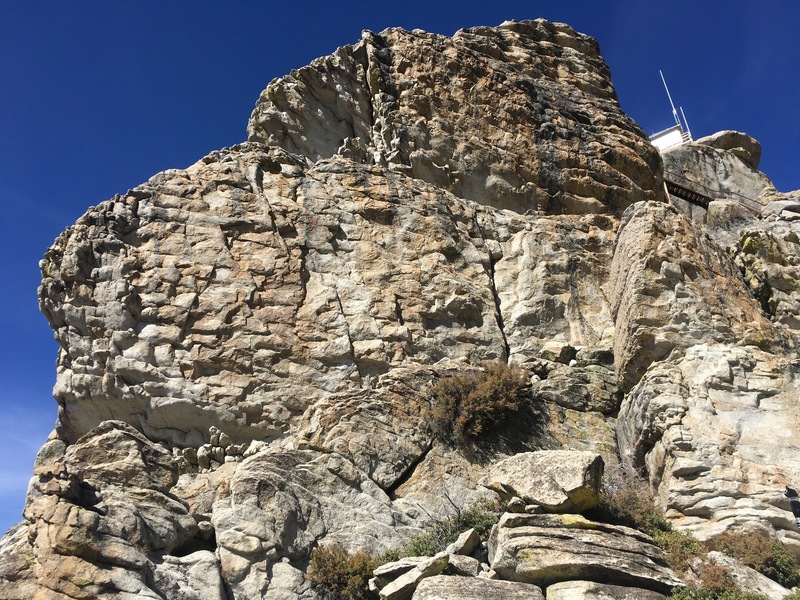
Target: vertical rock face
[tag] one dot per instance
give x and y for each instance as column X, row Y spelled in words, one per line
column 248, row 345
column 708, row 341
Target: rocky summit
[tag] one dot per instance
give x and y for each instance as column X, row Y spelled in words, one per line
column 279, row 349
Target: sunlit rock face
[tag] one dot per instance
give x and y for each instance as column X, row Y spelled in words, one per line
column 521, row 116
column 248, row 345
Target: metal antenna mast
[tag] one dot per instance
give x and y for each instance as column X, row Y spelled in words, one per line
column 671, row 103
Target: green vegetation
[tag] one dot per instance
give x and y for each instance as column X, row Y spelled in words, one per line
column 337, row 575
column 481, row 517
column 468, row 407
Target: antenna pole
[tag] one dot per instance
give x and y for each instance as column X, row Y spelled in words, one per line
column 671, row 103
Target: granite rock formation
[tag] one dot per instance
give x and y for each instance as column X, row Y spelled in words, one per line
column 247, row 346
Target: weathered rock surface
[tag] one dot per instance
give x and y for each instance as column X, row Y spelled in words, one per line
column 468, row 588
column 769, row 259
column 671, row 288
column 740, row 144
column 722, row 166
column 579, row 590
column 195, row 576
column 538, row 93
column 102, row 515
column 547, row 549
column 557, row 480
column 247, row 345
column 17, row 577
column 716, row 430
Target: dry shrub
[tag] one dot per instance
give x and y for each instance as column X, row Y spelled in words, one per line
column 337, row 575
column 768, row 557
column 706, row 593
column 468, row 406
column 714, row 576
column 626, row 499
column 716, row 583
column 680, row 548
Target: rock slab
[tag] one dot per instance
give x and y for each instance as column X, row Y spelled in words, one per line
column 548, row 549
column 471, row 588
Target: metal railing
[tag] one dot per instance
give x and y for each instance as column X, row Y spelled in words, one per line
column 707, row 192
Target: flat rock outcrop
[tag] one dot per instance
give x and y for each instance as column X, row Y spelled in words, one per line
column 578, row 590
column 547, row 549
column 248, row 345
column 462, row 588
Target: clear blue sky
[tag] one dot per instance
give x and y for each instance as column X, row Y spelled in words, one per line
column 96, row 96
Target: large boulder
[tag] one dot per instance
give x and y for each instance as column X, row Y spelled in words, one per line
column 560, row 481
column 742, row 145
column 547, row 549
column 103, row 517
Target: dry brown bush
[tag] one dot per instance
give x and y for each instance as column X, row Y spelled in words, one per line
column 337, row 575
column 468, row 406
column 768, row 557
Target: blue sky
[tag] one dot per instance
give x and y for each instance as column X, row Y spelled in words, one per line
column 97, row 96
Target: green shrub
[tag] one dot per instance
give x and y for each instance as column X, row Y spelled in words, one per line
column 766, row 556
column 481, row 517
column 337, row 575
column 469, row 406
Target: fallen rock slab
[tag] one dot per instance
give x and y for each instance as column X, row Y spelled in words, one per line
column 403, row 587
column 465, row 566
column 466, row 543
